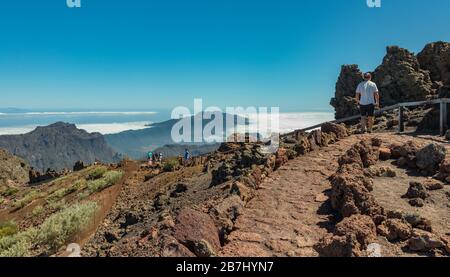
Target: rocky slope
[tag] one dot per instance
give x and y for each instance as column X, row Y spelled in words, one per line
column 58, row 146
column 401, row 77
column 13, row 170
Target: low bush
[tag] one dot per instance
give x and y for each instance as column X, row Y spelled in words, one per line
column 7, row 228
column 60, row 193
column 9, row 191
column 110, row 178
column 27, row 199
column 38, row 210
column 58, row 228
column 171, row 165
column 97, row 173
column 18, row 245
column 57, row 205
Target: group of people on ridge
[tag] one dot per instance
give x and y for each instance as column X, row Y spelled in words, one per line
column 154, row 158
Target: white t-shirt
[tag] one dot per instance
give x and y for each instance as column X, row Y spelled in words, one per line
column 367, row 89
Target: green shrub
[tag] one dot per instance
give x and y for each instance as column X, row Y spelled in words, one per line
column 38, row 210
column 57, row 205
column 27, row 199
column 59, row 194
column 83, row 195
column 97, row 173
column 7, row 228
column 110, row 178
column 171, row 165
column 97, row 185
column 58, row 228
column 18, row 245
column 113, row 177
column 10, row 191
column 80, row 184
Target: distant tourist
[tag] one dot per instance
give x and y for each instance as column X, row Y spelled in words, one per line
column 150, row 158
column 187, row 156
column 368, row 98
column 160, row 156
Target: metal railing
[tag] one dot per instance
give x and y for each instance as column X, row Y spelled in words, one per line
column 401, row 122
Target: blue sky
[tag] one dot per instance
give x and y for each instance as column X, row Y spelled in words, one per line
column 149, row 54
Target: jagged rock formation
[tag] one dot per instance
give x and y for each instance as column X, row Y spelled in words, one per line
column 12, row 169
column 402, row 77
column 435, row 58
column 344, row 101
column 58, row 146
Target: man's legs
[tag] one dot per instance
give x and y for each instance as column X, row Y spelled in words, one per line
column 363, row 124
column 363, row 110
column 370, row 121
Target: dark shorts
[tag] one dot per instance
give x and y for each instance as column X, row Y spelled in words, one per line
column 367, row 110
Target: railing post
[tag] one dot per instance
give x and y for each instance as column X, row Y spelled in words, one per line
column 401, row 120
column 443, row 117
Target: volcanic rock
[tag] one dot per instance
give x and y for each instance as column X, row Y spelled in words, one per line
column 196, row 231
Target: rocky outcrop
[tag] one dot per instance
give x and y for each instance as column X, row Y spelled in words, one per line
column 196, row 231
column 350, row 239
column 37, row 177
column 58, row 146
column 13, row 170
column 435, row 58
column 400, row 78
column 344, row 101
column 430, row 157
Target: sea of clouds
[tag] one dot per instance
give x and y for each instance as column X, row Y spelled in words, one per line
column 288, row 122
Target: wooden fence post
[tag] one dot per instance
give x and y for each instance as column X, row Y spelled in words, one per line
column 443, row 117
column 401, row 120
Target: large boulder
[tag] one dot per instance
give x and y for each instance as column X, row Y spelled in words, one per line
column 395, row 229
column 196, row 231
column 400, row 78
column 339, row 130
column 416, row 190
column 430, row 157
column 344, row 101
column 350, row 239
column 424, row 241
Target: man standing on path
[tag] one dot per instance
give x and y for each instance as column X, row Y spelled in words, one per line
column 368, row 98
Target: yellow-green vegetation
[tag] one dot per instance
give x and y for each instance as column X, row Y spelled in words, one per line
column 27, row 199
column 110, row 178
column 18, row 245
column 59, row 194
column 53, row 233
column 57, row 205
column 171, row 165
column 59, row 227
column 83, row 195
column 38, row 210
column 80, row 184
column 97, row 173
column 60, row 180
column 7, row 228
column 9, row 191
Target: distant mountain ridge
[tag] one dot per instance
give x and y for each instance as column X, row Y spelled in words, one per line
column 135, row 143
column 58, row 146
